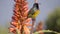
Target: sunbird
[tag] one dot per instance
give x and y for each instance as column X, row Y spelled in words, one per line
column 34, row 11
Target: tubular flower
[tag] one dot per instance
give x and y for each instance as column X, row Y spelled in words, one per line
column 15, row 19
column 20, row 21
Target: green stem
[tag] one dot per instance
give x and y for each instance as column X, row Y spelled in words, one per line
column 46, row 31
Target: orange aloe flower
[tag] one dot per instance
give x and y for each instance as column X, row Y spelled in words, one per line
column 19, row 18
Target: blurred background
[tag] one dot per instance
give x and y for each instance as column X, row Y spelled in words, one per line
column 49, row 16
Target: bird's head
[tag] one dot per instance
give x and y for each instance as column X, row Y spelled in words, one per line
column 36, row 5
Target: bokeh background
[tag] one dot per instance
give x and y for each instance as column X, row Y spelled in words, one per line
column 49, row 13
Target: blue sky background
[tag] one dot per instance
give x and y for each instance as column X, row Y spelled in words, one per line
column 6, row 9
